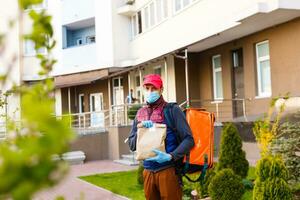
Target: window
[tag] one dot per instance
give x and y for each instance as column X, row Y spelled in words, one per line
column 90, row 39
column 180, row 4
column 263, row 69
column 152, row 14
column 159, row 10
column 137, row 81
column 149, row 16
column 157, row 70
column 217, row 77
column 29, row 49
column 134, row 25
column 136, row 22
column 81, row 103
column 139, row 17
column 138, row 88
column 42, row 5
column 146, row 17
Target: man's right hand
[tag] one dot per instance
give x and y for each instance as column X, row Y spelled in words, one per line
column 147, row 123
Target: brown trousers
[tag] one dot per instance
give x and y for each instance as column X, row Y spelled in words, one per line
column 162, row 185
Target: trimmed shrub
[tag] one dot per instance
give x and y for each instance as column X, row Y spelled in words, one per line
column 131, row 113
column 140, row 178
column 226, row 185
column 231, row 154
column 271, row 180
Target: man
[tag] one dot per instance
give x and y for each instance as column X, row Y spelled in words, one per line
column 130, row 99
column 160, row 178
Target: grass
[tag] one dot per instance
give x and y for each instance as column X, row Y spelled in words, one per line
column 125, row 183
column 122, row 183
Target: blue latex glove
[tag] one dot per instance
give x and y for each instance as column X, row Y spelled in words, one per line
column 147, row 124
column 160, row 157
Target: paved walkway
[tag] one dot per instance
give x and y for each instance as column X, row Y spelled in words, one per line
column 73, row 188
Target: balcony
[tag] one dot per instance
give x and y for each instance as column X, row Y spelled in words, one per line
column 79, row 46
column 127, row 9
column 79, row 58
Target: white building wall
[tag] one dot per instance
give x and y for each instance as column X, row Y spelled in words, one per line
column 104, row 34
column 7, row 61
column 76, row 10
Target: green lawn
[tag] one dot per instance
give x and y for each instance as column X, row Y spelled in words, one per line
column 125, row 183
column 122, row 183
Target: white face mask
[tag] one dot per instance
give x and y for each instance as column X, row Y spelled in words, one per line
column 146, row 94
column 151, row 97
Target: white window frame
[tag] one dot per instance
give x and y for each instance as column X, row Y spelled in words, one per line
column 41, row 6
column 158, row 67
column 80, row 102
column 34, row 52
column 191, row 2
column 147, row 19
column 101, row 101
column 258, row 69
column 214, row 77
column 119, row 87
column 138, row 87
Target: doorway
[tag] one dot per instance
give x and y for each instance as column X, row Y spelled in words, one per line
column 96, row 106
column 238, row 91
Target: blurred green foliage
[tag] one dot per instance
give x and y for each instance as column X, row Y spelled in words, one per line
column 27, row 161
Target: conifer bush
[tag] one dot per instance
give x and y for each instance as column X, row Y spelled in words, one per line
column 226, row 185
column 140, row 178
column 131, row 113
column 231, row 154
column 271, row 180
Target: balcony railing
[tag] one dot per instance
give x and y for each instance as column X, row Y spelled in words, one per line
column 224, row 109
column 88, row 122
column 122, row 115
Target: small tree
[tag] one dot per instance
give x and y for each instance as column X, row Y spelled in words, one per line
column 226, row 185
column 287, row 145
column 271, row 179
column 231, row 154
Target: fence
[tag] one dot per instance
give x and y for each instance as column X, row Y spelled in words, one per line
column 225, row 109
column 123, row 115
column 88, row 122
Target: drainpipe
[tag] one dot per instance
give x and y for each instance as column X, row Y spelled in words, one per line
column 185, row 57
column 109, row 102
column 141, row 85
column 129, row 85
column 69, row 100
column 166, row 78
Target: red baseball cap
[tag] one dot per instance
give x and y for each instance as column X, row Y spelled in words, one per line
column 153, row 79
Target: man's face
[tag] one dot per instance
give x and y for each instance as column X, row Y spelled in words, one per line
column 151, row 88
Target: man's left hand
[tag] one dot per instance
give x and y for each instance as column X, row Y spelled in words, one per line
column 160, row 157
